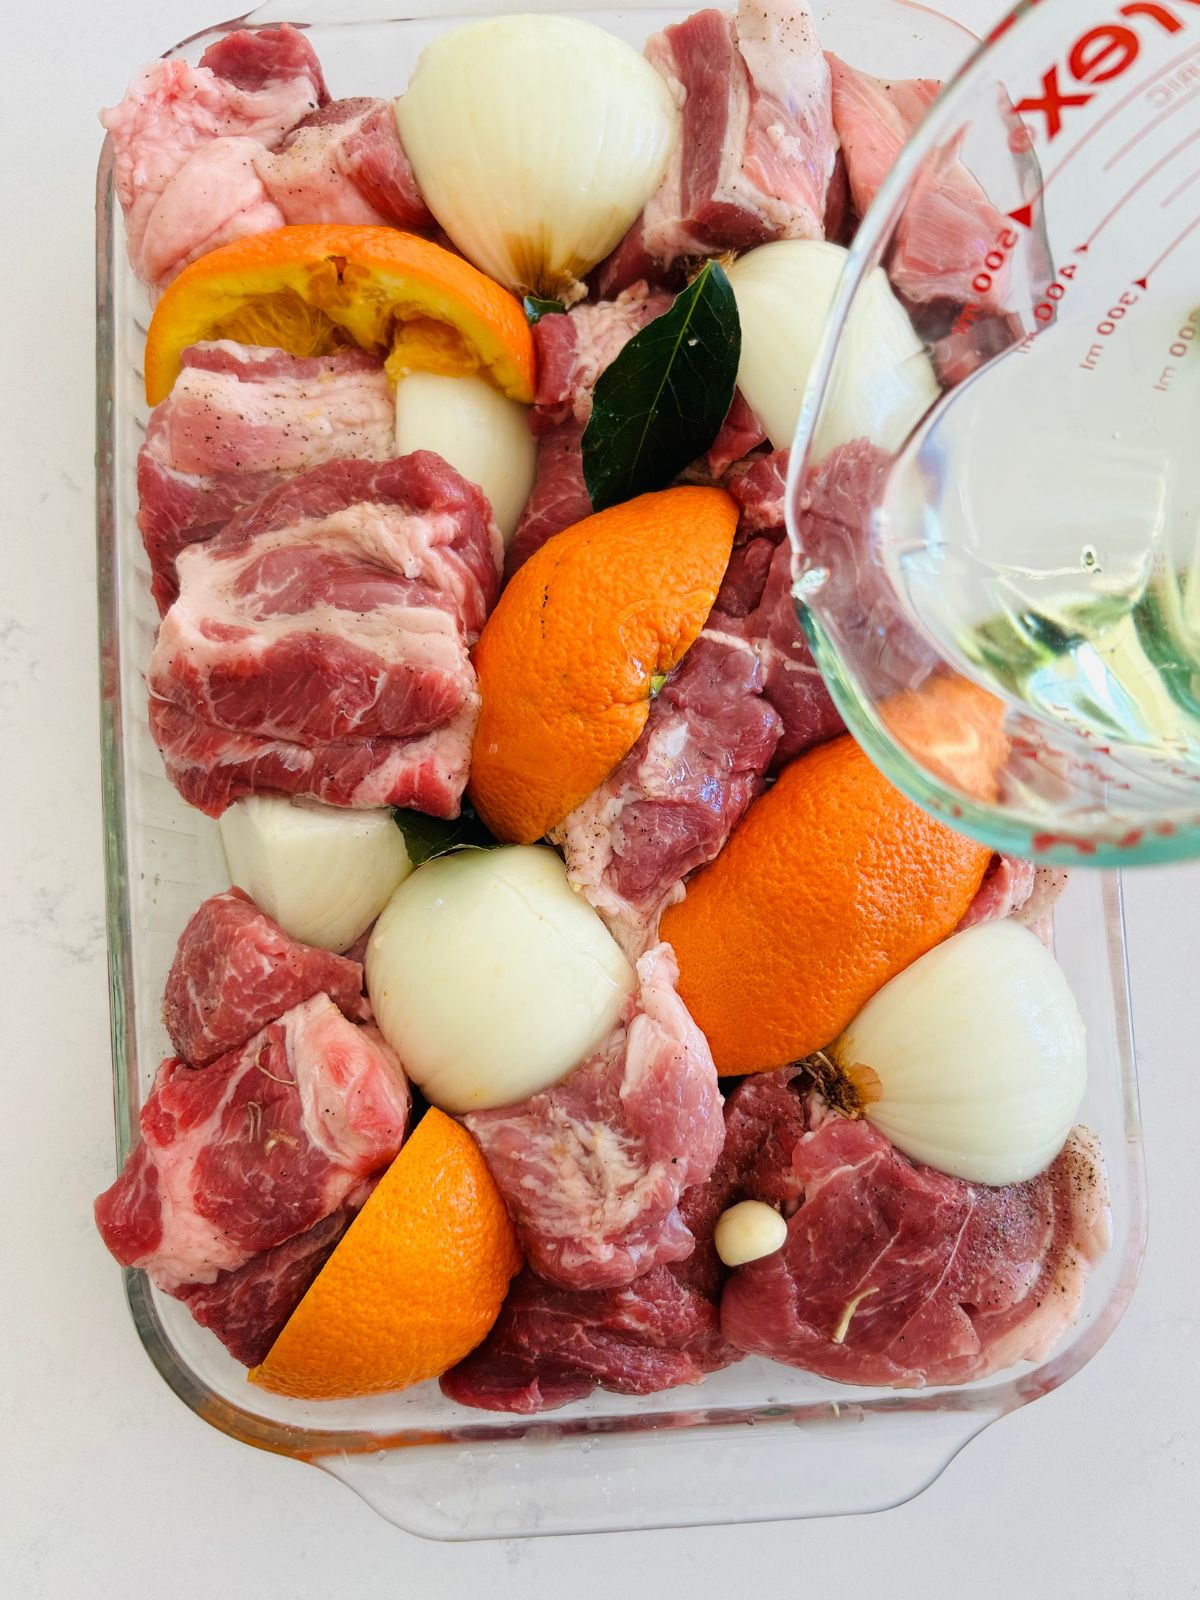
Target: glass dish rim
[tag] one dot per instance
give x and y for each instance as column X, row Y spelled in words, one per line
column 315, row 1444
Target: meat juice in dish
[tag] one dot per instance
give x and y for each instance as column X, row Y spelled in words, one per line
column 324, row 588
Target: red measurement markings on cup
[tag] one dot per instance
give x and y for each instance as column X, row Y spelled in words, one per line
column 1102, row 55
column 1108, row 325
column 1186, row 184
column 993, row 263
column 1182, row 346
column 1135, row 190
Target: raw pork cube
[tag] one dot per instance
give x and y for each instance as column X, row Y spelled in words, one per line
column 674, row 800
column 248, row 1307
column 239, row 420
column 235, row 970
column 550, row 1346
column 345, row 163
column 212, row 767
column 249, row 90
column 756, row 150
column 949, row 224
column 559, row 496
column 237, row 1157
column 895, row 1274
column 334, row 617
column 1014, row 887
column 593, row 1168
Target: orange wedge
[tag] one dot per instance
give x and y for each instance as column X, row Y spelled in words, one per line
column 309, row 290
column 833, row 883
column 568, row 659
column 413, row 1286
column 955, row 730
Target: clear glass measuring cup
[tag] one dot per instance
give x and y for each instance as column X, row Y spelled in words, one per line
column 1026, row 565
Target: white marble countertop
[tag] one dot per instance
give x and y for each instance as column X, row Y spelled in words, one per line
column 111, row 1487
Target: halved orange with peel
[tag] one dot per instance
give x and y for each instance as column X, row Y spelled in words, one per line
column 568, row 660
column 954, row 729
column 309, row 290
column 414, row 1285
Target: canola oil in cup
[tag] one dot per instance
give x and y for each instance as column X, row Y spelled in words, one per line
column 1040, row 527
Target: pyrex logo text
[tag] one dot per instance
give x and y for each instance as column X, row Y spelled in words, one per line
column 1098, row 56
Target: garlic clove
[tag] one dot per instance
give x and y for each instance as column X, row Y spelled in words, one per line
column 748, row 1231
column 479, row 431
column 536, row 141
column 980, row 1055
column 491, row 978
column 882, row 382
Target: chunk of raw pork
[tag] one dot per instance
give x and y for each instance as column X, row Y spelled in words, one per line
column 212, row 767
column 1037, row 911
column 896, row 1274
column 759, row 485
column 559, row 496
column 1013, row 887
column 573, row 349
column 550, row 1346
column 833, row 528
column 593, row 1168
column 740, row 433
column 673, row 801
column 792, row 681
column 746, row 699
column 345, row 163
column 272, row 62
column 248, row 1307
column 238, row 421
column 756, row 147
column 235, row 970
column 248, row 91
column 1007, row 884
column 949, row 224
column 874, row 119
column 336, row 612
column 236, row 1157
column 216, row 197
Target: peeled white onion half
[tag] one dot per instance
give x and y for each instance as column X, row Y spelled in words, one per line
column 491, row 978
column 322, row 872
column 980, row 1056
column 536, row 141
column 479, row 431
column 882, row 383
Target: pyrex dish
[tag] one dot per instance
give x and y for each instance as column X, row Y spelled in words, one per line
column 757, row 1441
column 1039, row 526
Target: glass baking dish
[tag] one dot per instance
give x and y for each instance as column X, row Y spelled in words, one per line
column 756, row 1442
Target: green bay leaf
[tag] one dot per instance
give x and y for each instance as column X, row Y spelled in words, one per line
column 661, row 403
column 427, row 837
